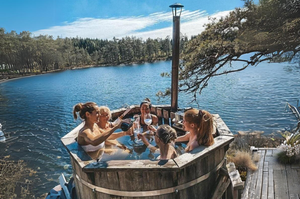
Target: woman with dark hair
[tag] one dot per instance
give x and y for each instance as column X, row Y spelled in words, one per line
column 91, row 137
column 199, row 127
column 164, row 138
column 145, row 108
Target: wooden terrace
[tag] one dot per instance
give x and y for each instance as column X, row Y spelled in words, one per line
column 272, row 179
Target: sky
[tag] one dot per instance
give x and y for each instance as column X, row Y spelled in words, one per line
column 105, row 19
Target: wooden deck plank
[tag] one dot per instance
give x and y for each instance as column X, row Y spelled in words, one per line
column 272, row 179
column 266, row 166
column 280, row 184
column 295, row 166
column 258, row 188
column 271, row 185
column 248, row 189
column 265, row 182
column 252, row 187
column 293, row 182
column 246, row 192
column 272, row 162
column 269, row 152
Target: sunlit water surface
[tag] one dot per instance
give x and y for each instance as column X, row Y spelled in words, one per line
column 37, row 110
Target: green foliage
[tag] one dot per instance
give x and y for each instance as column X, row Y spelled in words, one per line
column 165, row 74
column 291, row 139
column 290, row 148
column 161, row 94
column 284, row 159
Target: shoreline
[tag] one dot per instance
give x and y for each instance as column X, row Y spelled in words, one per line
column 19, row 76
column 15, row 76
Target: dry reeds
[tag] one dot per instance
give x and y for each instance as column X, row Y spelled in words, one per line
column 242, row 159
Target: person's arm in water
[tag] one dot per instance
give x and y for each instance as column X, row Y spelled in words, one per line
column 145, row 141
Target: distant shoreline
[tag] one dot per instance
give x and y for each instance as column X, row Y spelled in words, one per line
column 19, row 77
column 6, row 77
column 9, row 77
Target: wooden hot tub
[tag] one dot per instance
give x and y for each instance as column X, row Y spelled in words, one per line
column 191, row 175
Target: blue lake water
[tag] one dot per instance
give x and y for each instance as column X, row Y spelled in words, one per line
column 38, row 110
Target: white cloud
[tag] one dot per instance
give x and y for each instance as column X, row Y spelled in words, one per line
column 191, row 24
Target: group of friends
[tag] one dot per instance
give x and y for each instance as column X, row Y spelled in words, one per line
column 99, row 131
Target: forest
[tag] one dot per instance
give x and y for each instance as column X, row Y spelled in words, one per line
column 22, row 54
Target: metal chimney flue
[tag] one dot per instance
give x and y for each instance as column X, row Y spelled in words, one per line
column 176, row 11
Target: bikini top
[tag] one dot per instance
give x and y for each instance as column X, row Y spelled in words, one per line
column 90, row 148
column 145, row 124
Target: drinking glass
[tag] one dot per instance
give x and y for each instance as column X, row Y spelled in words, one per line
column 136, row 130
column 148, row 119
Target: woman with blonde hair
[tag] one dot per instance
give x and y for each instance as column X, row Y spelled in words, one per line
column 199, row 127
column 90, row 136
column 105, row 125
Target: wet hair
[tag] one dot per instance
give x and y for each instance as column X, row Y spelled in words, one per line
column 146, row 101
column 104, row 109
column 204, row 123
column 166, row 133
column 83, row 108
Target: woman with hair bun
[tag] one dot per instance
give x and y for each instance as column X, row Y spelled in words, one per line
column 91, row 137
column 199, row 127
column 164, row 138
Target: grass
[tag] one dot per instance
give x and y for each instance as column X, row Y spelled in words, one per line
column 243, row 159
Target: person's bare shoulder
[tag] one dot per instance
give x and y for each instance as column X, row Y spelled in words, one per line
column 154, row 119
column 84, row 132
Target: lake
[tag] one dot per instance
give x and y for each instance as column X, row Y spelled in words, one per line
column 37, row 110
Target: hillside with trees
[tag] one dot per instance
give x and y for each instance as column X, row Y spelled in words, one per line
column 22, row 54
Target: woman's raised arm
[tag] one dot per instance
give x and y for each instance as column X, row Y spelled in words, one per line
column 183, row 138
column 98, row 139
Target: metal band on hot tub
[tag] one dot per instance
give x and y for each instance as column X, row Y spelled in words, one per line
column 148, row 193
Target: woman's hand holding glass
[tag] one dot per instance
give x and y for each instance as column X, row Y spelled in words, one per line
column 142, row 137
column 152, row 129
column 136, row 129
